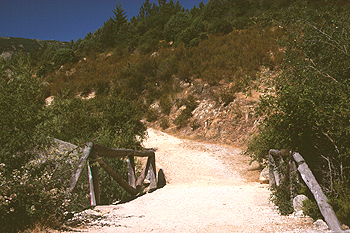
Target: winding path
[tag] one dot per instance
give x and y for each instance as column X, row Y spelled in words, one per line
column 206, row 192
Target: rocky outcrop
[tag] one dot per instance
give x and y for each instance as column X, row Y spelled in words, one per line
column 264, row 176
column 298, row 202
column 214, row 119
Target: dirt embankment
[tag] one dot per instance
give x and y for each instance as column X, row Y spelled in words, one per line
column 210, row 188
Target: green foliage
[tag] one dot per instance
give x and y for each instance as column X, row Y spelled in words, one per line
column 280, row 196
column 29, row 190
column 308, row 109
column 165, row 104
column 176, row 25
column 21, row 114
column 310, row 208
column 63, row 56
column 152, row 115
column 190, row 105
column 340, row 202
column 33, row 194
column 165, row 123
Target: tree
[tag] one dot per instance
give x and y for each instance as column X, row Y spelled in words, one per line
column 309, row 110
column 145, row 10
column 119, row 17
column 176, row 25
column 21, row 113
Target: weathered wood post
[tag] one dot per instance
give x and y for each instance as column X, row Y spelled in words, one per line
column 321, row 199
column 91, row 186
column 95, row 184
column 86, row 153
column 130, row 161
column 152, row 172
column 143, row 174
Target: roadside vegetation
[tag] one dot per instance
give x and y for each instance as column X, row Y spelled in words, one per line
column 132, row 64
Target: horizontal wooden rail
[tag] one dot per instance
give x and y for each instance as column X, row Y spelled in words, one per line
column 115, row 153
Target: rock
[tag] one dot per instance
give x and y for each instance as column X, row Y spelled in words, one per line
column 155, row 54
column 298, row 202
column 321, row 225
column 298, row 214
column 264, row 176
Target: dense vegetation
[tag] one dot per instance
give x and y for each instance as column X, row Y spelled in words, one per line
column 131, row 64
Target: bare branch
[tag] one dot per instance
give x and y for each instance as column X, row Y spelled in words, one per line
column 330, row 171
column 328, row 36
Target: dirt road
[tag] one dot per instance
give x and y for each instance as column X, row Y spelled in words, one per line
column 208, row 190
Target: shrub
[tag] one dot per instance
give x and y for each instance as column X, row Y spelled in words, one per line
column 152, row 115
column 31, row 195
column 165, row 104
column 63, row 56
column 340, row 201
column 310, row 208
column 195, row 124
column 165, row 123
column 21, row 114
column 182, row 119
column 280, row 196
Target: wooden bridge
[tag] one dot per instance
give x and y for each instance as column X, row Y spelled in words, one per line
column 93, row 153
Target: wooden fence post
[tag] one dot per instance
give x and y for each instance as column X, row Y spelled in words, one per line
column 130, row 161
column 91, row 185
column 322, row 201
column 86, row 153
column 95, row 178
column 152, row 173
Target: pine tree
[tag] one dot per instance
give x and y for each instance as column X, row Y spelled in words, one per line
column 119, row 17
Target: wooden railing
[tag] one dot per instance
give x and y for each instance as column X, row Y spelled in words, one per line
column 294, row 162
column 94, row 153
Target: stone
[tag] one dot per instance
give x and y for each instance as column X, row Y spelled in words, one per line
column 264, row 176
column 298, row 202
column 321, row 225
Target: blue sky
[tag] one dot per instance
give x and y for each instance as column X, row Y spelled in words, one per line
column 63, row 20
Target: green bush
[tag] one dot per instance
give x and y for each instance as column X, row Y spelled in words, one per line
column 280, row 196
column 340, row 202
column 165, row 104
column 310, row 208
column 182, row 119
column 32, row 195
column 30, row 190
column 152, row 115
column 307, row 111
column 63, row 56
column 165, row 123
column 21, row 114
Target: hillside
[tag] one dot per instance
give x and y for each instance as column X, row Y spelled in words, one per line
column 214, row 119
column 13, row 45
column 254, row 75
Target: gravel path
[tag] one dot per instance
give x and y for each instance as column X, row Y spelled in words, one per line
column 206, row 192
